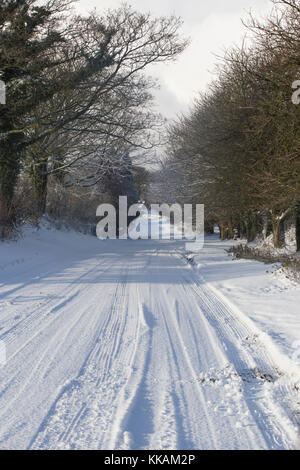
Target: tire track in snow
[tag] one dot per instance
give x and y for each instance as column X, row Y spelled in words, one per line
column 147, row 414
column 36, row 313
column 62, row 325
column 255, row 365
column 137, row 424
column 153, row 349
column 195, row 408
column 54, row 313
column 122, row 433
column 94, row 391
column 42, row 366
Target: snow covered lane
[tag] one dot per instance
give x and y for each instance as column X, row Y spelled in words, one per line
column 123, row 346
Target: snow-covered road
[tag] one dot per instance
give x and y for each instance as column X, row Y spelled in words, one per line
column 125, row 345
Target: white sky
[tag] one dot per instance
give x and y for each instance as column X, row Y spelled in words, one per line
column 212, row 25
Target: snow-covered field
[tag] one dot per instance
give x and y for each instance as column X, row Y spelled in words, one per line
column 136, row 344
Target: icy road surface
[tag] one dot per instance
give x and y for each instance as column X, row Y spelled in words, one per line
column 125, row 345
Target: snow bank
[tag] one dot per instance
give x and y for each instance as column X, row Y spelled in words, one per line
column 263, row 293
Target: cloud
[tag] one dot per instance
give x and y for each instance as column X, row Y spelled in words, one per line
column 212, row 27
column 167, row 101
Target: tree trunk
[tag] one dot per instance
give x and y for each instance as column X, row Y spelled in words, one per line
column 230, row 233
column 277, row 240
column 250, row 224
column 223, row 231
column 298, row 229
column 39, row 177
column 265, row 227
column 242, row 229
column 9, row 172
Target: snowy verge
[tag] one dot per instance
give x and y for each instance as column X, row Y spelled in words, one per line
column 42, row 243
column 262, row 293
